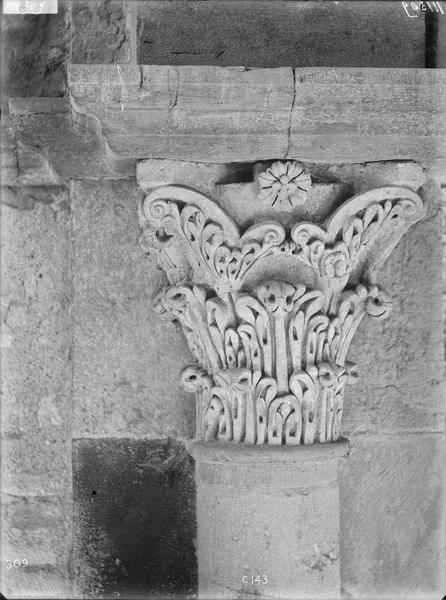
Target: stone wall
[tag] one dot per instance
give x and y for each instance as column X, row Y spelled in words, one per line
column 253, row 33
column 36, row 403
column 98, row 493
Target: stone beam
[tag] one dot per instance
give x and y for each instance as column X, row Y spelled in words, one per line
column 120, row 114
column 236, row 114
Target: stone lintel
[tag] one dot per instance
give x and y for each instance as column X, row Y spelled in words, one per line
column 236, row 114
column 120, row 114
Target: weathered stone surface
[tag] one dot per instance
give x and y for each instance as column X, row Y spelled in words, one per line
column 226, row 112
column 36, row 293
column 268, row 521
column 100, row 32
column 391, row 497
column 257, row 33
column 36, row 400
column 35, row 527
column 400, row 361
column 134, row 519
column 391, row 517
column 234, row 188
column 363, row 115
column 126, row 363
column 34, row 51
column 8, row 155
column 441, row 44
column 216, row 114
column 51, row 146
column 45, row 582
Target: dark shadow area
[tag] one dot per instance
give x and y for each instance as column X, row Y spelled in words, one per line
column 431, row 39
column 134, row 515
column 261, row 33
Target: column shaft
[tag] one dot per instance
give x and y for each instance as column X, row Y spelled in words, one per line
column 268, row 520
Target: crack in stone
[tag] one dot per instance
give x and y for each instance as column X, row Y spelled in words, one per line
column 177, row 90
column 291, row 115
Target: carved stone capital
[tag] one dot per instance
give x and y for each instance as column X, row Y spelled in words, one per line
column 271, row 352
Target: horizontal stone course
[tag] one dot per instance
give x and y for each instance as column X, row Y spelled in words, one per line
column 156, row 111
column 309, row 114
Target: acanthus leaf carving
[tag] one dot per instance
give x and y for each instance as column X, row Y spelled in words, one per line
column 271, row 357
column 345, row 244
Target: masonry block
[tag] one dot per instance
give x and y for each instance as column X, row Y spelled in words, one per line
column 34, row 54
column 134, row 503
column 257, row 33
column 100, row 32
column 36, row 402
column 126, row 363
column 391, row 522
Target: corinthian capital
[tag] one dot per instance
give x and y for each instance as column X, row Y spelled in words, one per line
column 271, row 351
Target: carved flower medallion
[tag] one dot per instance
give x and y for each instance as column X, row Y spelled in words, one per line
column 284, row 183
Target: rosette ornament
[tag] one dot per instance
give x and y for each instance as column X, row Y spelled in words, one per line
column 287, row 183
column 271, row 354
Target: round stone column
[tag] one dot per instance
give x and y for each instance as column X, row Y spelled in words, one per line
column 268, row 520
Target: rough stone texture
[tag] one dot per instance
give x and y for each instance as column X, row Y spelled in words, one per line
column 35, row 181
column 391, row 485
column 216, row 114
column 51, row 146
column 257, row 33
column 441, row 43
column 100, row 32
column 8, row 154
column 134, row 519
column 36, row 401
column 37, row 48
column 227, row 111
column 391, row 517
column 354, row 115
column 268, row 521
column 401, row 388
column 34, row 53
column 126, row 362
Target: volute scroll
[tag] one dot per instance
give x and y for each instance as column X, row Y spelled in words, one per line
column 271, row 356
